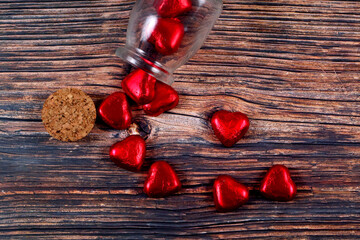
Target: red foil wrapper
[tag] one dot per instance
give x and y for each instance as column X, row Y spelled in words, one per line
column 277, row 184
column 129, row 153
column 229, row 127
column 162, row 180
column 167, row 35
column 172, row 8
column 166, row 98
column 139, row 86
column 115, row 111
column 229, row 194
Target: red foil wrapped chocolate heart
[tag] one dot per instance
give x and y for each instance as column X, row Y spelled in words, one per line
column 139, row 86
column 167, row 35
column 229, row 127
column 166, row 98
column 229, row 194
column 162, row 180
column 129, row 153
column 115, row 111
column 277, row 184
column 172, row 8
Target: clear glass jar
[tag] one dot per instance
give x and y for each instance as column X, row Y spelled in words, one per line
column 162, row 36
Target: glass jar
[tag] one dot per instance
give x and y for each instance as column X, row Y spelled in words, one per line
column 163, row 35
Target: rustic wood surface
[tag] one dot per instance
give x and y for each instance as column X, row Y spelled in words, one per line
column 293, row 66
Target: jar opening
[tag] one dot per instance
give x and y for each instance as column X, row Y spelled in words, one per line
column 139, row 59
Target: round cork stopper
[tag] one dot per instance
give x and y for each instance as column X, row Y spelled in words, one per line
column 68, row 114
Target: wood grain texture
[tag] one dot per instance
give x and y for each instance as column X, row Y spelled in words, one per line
column 293, row 66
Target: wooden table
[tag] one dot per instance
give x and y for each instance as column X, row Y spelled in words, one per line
column 293, row 66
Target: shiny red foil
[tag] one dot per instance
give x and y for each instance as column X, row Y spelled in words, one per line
column 172, row 8
column 167, row 35
column 229, row 127
column 115, row 111
column 277, row 184
column 229, row 194
column 139, row 86
column 129, row 153
column 162, row 180
column 166, row 98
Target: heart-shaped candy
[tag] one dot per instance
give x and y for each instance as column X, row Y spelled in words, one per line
column 129, row 153
column 167, row 35
column 115, row 111
column 172, row 8
column 166, row 98
column 139, row 86
column 162, row 180
column 277, row 184
column 229, row 194
column 229, row 127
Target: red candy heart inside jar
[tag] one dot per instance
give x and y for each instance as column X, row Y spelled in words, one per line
column 167, row 35
column 172, row 8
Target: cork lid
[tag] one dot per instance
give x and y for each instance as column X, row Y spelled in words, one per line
column 69, row 114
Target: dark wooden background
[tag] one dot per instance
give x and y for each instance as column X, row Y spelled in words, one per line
column 293, row 66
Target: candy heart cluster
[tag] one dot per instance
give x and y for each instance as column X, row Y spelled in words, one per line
column 155, row 98
column 277, row 185
column 229, row 128
column 162, row 181
column 130, row 154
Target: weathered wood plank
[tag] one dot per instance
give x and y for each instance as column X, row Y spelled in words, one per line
column 291, row 65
